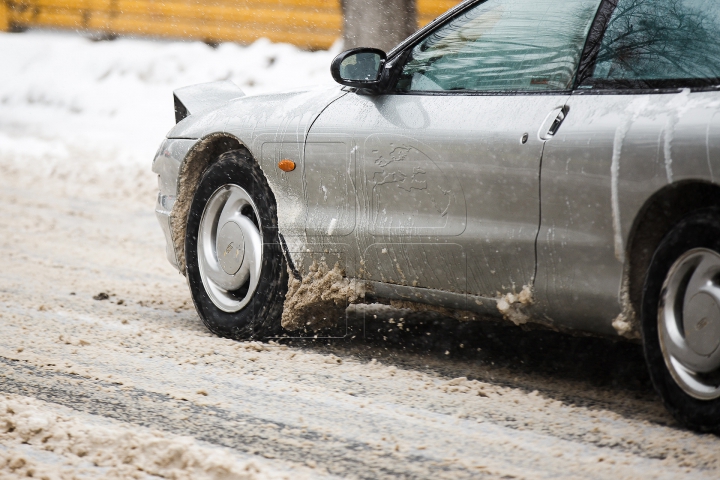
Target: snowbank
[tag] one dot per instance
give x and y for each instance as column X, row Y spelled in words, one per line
column 81, row 108
column 119, row 451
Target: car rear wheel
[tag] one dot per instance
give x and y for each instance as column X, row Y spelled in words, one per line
column 235, row 264
column 681, row 321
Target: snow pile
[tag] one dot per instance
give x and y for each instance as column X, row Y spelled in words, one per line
column 82, row 111
column 512, row 305
column 122, row 451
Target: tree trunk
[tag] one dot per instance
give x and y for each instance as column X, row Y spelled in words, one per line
column 377, row 23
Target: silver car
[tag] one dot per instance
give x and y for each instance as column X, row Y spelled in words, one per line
column 537, row 160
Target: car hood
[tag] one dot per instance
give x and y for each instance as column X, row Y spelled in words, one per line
column 289, row 111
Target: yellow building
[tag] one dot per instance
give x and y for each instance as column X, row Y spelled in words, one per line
column 312, row 24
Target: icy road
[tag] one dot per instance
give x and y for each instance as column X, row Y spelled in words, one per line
column 107, row 372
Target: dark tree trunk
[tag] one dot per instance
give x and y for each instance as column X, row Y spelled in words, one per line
column 377, row 23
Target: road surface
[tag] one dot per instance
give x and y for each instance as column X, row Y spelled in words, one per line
column 106, row 370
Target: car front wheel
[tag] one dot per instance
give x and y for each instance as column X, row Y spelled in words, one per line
column 235, row 265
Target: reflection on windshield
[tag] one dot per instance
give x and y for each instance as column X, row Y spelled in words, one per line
column 661, row 39
column 503, row 45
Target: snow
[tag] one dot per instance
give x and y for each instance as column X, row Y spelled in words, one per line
column 47, row 441
column 82, row 101
column 620, row 134
column 86, row 117
column 511, row 305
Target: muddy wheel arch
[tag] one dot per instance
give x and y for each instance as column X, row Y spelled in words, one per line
column 660, row 212
column 201, row 155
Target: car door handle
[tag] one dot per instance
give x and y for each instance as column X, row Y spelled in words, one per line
column 552, row 123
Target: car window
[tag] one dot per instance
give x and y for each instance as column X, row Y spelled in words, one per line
column 650, row 41
column 502, row 45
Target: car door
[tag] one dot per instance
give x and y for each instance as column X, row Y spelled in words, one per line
column 634, row 127
column 448, row 161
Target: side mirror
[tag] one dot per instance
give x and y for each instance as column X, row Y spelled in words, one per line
column 359, row 67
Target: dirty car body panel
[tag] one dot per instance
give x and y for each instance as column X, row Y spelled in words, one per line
column 438, row 199
column 524, row 176
column 621, row 150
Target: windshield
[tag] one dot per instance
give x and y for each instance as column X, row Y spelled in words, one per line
column 503, row 45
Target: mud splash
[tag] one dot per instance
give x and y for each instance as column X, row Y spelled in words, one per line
column 512, row 305
column 626, row 324
column 320, row 298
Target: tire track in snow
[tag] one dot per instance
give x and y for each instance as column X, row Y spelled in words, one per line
column 219, row 426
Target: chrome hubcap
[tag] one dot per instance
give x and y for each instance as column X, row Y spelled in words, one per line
column 230, row 248
column 689, row 323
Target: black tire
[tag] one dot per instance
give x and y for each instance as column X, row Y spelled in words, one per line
column 698, row 230
column 260, row 318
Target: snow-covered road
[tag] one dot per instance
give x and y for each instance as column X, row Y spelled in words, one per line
column 106, row 370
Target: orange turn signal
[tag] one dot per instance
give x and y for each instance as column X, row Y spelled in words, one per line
column 286, row 165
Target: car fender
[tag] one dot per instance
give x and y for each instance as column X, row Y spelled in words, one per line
column 246, row 122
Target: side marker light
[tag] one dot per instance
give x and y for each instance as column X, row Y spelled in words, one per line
column 286, row 165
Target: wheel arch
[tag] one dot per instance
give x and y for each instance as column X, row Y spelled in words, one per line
column 199, row 158
column 655, row 218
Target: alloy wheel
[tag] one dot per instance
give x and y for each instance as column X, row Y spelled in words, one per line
column 689, row 323
column 230, row 248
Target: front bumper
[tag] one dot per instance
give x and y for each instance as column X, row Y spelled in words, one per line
column 166, row 164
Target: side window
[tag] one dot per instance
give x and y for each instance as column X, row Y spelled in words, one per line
column 502, row 45
column 657, row 43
